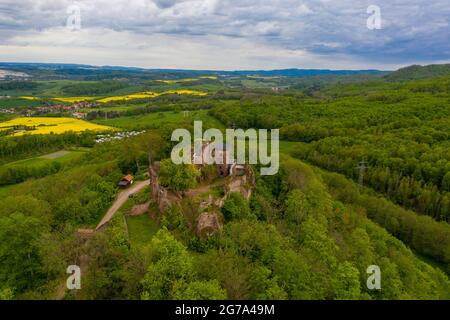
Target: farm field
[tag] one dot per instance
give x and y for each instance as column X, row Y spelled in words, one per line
column 256, row 83
column 67, row 92
column 44, row 88
column 26, row 100
column 116, row 107
column 160, row 119
column 5, row 117
column 14, row 173
column 52, row 125
column 56, row 88
column 48, row 89
column 60, row 156
column 150, row 94
column 31, row 98
column 74, row 99
column 14, row 102
column 186, row 80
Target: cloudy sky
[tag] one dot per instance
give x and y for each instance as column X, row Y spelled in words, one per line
column 226, row 34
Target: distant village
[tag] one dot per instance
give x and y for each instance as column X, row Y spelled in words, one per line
column 73, row 110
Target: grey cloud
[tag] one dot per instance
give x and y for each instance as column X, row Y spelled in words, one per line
column 416, row 29
column 165, row 3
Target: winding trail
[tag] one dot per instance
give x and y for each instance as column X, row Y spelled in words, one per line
column 121, row 199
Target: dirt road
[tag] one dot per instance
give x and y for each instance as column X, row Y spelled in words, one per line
column 121, row 199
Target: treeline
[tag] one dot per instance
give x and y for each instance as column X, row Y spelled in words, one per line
column 97, row 88
column 16, row 148
column 428, row 237
column 416, row 72
column 36, row 226
column 150, row 108
column 401, row 131
column 39, row 218
column 421, row 183
column 17, row 85
column 292, row 241
column 16, row 174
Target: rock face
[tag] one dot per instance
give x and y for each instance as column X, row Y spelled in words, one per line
column 208, row 224
column 159, row 193
column 243, row 184
column 211, row 201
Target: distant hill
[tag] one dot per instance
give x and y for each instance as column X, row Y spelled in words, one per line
column 417, row 72
column 61, row 71
column 48, row 71
column 298, row 73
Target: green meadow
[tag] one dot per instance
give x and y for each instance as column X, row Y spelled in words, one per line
column 161, row 119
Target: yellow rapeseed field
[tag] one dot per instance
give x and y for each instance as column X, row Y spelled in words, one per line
column 133, row 96
column 30, row 98
column 55, row 125
column 176, row 81
column 191, row 92
column 62, row 99
column 74, row 99
column 139, row 95
column 150, row 94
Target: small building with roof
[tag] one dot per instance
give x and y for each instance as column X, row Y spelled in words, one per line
column 126, row 181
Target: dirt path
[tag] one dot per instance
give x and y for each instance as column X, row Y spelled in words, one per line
column 121, row 199
column 55, row 155
column 60, row 291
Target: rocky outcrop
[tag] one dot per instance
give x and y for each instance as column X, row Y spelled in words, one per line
column 208, row 224
column 242, row 184
column 211, row 201
column 159, row 193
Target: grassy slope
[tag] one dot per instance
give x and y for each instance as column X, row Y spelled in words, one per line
column 141, row 229
column 5, row 191
column 160, row 119
column 15, row 102
column 43, row 160
column 117, row 108
column 6, row 117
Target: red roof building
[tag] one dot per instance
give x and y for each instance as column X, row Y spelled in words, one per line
column 126, row 181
